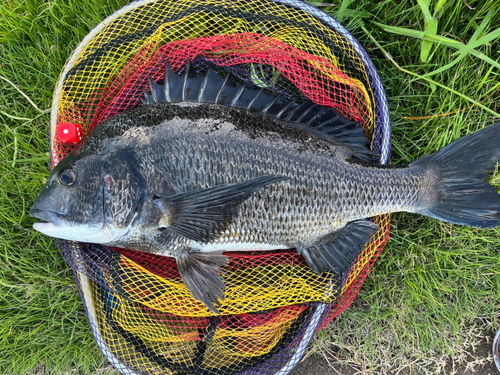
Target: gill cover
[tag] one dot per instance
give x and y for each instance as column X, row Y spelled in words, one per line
column 124, row 187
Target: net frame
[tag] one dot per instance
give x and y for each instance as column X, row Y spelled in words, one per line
column 322, row 312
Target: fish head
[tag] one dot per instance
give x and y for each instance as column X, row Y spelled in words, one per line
column 71, row 202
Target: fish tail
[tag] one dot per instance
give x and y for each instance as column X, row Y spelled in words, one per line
column 463, row 196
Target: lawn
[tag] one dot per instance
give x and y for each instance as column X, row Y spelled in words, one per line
column 432, row 296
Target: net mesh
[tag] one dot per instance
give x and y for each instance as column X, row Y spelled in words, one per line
column 142, row 315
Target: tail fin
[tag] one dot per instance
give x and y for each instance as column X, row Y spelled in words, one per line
column 464, row 196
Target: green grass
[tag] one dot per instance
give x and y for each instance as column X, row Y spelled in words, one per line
column 43, row 327
column 432, row 295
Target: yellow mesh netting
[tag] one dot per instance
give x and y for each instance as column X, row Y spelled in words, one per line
column 254, row 283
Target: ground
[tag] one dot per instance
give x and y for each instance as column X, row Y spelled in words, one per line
column 481, row 364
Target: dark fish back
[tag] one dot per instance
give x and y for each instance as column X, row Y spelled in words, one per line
column 255, row 112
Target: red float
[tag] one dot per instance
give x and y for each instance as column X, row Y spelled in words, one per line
column 69, row 132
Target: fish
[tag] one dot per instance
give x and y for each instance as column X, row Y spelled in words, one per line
column 208, row 164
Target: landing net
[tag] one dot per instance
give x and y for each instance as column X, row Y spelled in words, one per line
column 142, row 316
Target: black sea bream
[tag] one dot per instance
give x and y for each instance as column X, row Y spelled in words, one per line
column 208, row 165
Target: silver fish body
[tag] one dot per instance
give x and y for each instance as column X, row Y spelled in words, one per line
column 233, row 168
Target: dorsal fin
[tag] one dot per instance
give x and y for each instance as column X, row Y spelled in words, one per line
column 192, row 85
column 213, row 88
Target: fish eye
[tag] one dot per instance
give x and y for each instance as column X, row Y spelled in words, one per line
column 67, row 177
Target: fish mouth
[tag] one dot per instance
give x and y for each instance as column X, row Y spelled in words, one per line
column 46, row 217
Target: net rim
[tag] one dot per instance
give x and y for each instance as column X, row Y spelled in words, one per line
column 382, row 122
column 84, row 285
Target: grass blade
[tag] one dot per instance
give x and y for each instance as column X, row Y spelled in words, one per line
column 430, row 28
column 439, row 5
column 342, row 11
column 428, row 79
column 482, row 26
column 446, row 67
column 447, row 41
column 482, row 41
column 463, row 53
column 424, row 5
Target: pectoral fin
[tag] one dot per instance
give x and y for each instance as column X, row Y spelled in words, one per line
column 201, row 274
column 202, row 215
column 337, row 251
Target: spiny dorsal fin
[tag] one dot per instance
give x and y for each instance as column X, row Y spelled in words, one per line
column 321, row 121
column 192, row 85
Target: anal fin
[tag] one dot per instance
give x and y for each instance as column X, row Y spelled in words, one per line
column 201, row 274
column 337, row 251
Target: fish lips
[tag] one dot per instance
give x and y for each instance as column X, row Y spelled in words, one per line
column 45, row 215
column 56, row 225
column 50, row 219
